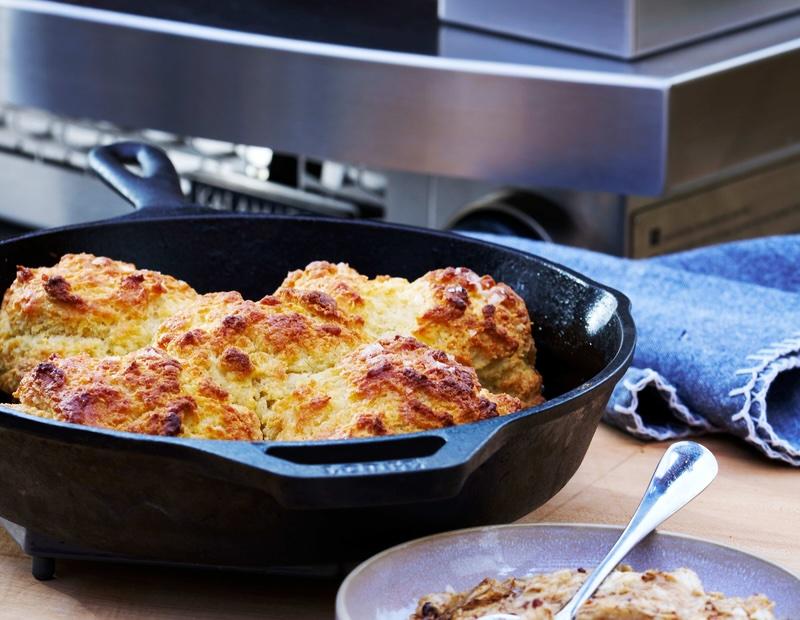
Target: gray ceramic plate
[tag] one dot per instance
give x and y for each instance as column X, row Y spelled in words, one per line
column 387, row 586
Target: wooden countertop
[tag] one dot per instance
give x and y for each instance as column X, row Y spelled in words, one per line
column 754, row 505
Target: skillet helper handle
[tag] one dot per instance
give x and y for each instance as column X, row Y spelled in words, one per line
column 157, row 186
column 319, row 482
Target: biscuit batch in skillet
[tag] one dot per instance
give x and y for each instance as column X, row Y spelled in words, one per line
column 262, row 503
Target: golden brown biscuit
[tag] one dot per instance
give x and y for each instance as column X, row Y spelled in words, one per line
column 141, row 392
column 625, row 594
column 397, row 385
column 83, row 304
column 254, row 352
column 482, row 323
column 297, row 365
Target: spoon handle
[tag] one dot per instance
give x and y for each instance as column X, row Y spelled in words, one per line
column 683, row 472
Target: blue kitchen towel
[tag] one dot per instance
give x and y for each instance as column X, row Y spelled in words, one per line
column 719, row 339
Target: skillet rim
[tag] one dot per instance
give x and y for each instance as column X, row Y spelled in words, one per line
column 556, row 407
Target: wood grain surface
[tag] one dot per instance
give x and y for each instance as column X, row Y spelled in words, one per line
column 753, row 505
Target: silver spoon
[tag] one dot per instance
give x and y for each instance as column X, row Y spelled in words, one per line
column 683, row 472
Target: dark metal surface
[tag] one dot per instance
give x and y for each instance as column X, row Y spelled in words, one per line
column 247, row 503
column 409, row 26
column 158, row 184
column 45, row 552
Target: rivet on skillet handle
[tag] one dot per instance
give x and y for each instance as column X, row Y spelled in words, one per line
column 158, row 185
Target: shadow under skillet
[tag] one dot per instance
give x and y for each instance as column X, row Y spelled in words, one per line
column 176, row 593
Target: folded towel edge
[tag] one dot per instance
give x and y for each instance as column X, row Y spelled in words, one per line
column 770, row 362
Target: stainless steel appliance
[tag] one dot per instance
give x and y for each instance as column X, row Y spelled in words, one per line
column 374, row 111
column 621, row 28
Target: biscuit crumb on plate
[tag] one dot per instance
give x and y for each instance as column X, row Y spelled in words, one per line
column 625, row 595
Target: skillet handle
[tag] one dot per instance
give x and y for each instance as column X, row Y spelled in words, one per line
column 157, row 186
column 384, row 472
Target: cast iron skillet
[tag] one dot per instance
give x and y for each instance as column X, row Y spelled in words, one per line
column 261, row 503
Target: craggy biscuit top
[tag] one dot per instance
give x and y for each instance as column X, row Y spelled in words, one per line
column 652, row 595
column 341, row 282
column 83, row 304
column 140, row 392
column 331, row 354
column 495, row 321
column 398, row 385
column 255, row 351
column 482, row 323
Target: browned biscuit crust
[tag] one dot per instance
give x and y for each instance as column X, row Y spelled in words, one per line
column 296, row 365
column 140, row 392
column 484, row 324
column 256, row 351
column 393, row 386
column 83, row 304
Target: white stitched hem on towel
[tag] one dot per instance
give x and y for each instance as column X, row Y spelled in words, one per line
column 753, row 417
column 768, row 364
column 627, row 416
